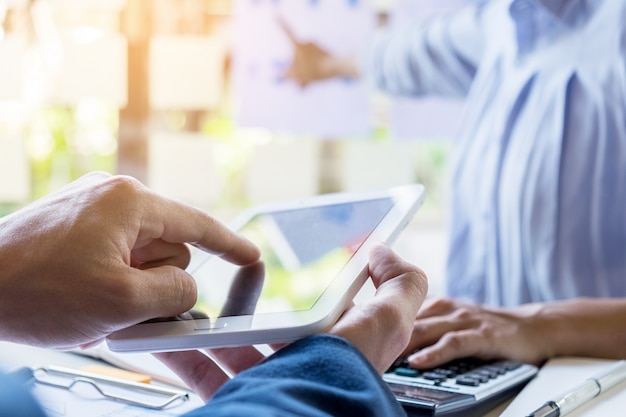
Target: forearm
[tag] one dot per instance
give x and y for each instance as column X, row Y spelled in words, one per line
column 343, row 67
column 439, row 56
column 583, row 327
column 315, row 377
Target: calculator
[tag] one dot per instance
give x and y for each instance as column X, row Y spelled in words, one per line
column 463, row 387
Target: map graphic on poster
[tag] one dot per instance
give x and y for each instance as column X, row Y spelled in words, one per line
column 262, row 52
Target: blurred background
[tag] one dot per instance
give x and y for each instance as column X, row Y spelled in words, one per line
column 188, row 96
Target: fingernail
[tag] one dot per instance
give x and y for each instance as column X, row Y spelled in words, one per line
column 417, row 359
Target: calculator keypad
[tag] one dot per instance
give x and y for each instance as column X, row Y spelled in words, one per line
column 467, row 375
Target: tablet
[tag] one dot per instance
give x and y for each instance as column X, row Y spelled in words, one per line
column 314, row 255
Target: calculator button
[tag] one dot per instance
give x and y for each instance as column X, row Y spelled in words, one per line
column 410, row 372
column 433, row 376
column 478, row 377
column 464, row 380
column 448, row 373
column 496, row 369
column 487, row 373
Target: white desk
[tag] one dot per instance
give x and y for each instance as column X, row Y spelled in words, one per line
column 560, row 375
column 556, row 376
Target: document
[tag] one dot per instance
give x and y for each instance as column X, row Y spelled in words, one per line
column 83, row 401
column 141, row 362
column 262, row 54
column 560, row 374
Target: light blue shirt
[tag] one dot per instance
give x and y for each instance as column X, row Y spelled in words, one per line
column 538, row 199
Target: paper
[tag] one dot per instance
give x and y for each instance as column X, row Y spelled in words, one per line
column 137, row 362
column 262, row 53
column 186, row 72
column 561, row 374
column 84, row 401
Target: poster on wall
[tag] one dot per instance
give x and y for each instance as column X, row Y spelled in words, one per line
column 263, row 51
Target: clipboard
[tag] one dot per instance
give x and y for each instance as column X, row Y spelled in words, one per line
column 72, row 393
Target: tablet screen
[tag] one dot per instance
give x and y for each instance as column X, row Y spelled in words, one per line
column 302, row 251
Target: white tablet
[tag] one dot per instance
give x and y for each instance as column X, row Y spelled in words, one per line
column 314, row 255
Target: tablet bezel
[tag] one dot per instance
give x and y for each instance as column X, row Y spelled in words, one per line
column 283, row 326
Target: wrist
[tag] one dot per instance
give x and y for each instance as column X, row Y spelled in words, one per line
column 340, row 67
column 550, row 328
column 572, row 327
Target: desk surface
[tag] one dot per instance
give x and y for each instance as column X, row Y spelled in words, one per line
column 13, row 356
column 556, row 375
column 65, row 403
column 560, row 375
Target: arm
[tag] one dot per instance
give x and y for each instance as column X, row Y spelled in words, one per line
column 15, row 401
column 439, row 56
column 311, row 63
column 448, row 329
column 585, row 327
column 314, row 377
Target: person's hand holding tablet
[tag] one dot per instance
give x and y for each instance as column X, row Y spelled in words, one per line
column 380, row 328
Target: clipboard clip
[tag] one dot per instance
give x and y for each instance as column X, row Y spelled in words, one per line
column 129, row 392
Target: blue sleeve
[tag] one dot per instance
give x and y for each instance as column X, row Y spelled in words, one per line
column 439, row 56
column 16, row 401
column 319, row 376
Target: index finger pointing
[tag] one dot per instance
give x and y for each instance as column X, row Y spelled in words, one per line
column 220, row 240
column 177, row 222
column 286, row 29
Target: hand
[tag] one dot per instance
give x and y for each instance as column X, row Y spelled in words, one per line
column 311, row 63
column 379, row 328
column 99, row 255
column 448, row 329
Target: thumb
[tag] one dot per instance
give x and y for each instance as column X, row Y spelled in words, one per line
column 385, row 265
column 381, row 327
column 164, row 291
column 397, row 280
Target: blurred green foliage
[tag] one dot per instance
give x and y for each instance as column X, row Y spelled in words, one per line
column 432, row 171
column 7, row 208
column 66, row 143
